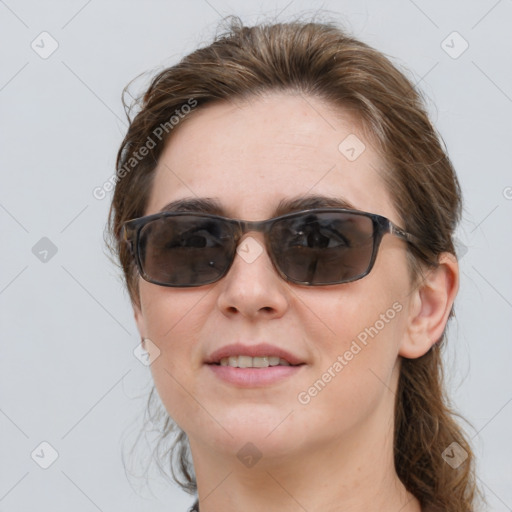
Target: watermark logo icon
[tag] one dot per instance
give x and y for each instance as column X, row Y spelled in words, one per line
column 351, row 147
column 460, row 248
column 249, row 455
column 44, row 250
column 146, row 352
column 44, row 455
column 455, row 455
column 44, row 45
column 454, row 45
column 249, row 249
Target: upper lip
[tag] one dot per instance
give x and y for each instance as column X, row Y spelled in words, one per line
column 260, row 350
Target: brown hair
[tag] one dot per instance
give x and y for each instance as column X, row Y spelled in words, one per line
column 319, row 59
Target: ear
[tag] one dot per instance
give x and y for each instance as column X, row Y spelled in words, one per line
column 430, row 306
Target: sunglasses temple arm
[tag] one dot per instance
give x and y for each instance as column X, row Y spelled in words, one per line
column 400, row 233
column 125, row 237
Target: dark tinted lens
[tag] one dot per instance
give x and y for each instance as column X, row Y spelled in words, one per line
column 185, row 250
column 323, row 248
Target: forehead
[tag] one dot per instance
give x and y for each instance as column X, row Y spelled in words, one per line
column 250, row 156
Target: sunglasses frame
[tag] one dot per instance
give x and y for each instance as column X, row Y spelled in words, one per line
column 131, row 230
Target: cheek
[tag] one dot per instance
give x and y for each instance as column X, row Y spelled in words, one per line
column 354, row 377
column 172, row 315
column 361, row 331
column 173, row 321
column 356, row 332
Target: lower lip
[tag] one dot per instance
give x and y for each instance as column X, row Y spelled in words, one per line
column 254, row 377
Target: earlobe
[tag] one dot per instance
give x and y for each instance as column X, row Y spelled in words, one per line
column 430, row 307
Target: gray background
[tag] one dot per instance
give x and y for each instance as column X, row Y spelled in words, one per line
column 68, row 375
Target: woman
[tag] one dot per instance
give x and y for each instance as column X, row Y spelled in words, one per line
column 284, row 215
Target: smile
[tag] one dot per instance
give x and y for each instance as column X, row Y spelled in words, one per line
column 253, row 362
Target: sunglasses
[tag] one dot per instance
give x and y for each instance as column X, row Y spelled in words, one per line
column 313, row 247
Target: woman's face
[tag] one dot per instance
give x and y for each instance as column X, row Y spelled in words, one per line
column 249, row 157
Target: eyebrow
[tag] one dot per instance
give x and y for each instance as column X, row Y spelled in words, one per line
column 195, row 205
column 311, row 201
column 289, row 205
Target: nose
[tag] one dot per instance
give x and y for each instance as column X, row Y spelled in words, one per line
column 252, row 288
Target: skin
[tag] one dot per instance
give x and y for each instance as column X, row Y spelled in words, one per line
column 336, row 452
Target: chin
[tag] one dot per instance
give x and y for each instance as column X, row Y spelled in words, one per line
column 269, row 427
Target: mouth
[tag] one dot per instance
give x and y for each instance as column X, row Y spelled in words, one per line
column 254, row 362
column 253, row 365
column 262, row 355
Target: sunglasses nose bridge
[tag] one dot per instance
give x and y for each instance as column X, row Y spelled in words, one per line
column 253, row 244
column 246, row 226
column 255, row 226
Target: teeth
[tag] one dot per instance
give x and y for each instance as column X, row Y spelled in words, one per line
column 260, row 362
column 253, row 362
column 244, row 361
